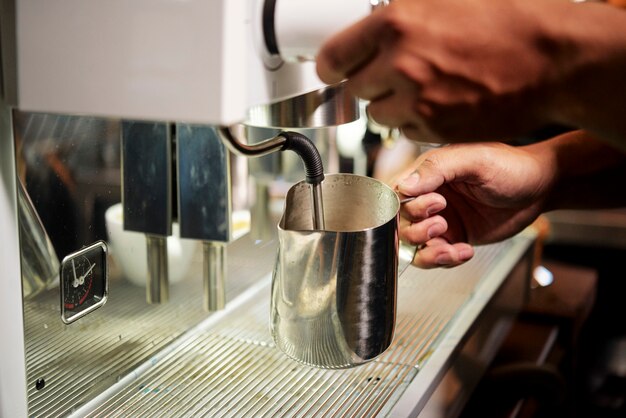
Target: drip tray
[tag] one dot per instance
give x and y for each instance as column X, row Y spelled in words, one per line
column 227, row 365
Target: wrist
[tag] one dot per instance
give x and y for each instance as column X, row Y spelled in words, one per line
column 580, row 171
column 546, row 158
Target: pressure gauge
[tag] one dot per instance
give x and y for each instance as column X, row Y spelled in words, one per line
column 84, row 281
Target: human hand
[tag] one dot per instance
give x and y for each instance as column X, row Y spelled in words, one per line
column 451, row 70
column 470, row 194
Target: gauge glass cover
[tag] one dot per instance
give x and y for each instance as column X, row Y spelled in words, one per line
column 84, row 281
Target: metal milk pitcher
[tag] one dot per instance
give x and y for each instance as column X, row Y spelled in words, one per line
column 334, row 290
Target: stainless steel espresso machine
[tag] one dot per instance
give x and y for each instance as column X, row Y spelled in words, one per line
column 138, row 243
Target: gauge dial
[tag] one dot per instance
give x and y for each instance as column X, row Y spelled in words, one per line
column 84, row 281
column 79, row 284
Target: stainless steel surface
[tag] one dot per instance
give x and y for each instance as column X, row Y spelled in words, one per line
column 157, row 285
column 317, row 199
column 133, row 359
column 204, row 184
column 70, row 166
column 229, row 367
column 214, row 273
column 81, row 362
column 147, row 177
column 334, row 290
column 40, row 264
column 329, row 106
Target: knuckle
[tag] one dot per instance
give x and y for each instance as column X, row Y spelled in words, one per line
column 430, row 162
column 410, row 237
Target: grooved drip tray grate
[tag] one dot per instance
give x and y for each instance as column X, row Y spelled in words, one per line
column 175, row 360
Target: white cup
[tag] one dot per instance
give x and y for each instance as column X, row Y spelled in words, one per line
column 129, row 249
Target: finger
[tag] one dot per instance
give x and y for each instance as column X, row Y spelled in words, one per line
column 394, row 110
column 351, row 48
column 379, row 78
column 423, row 206
column 419, row 131
column 417, row 233
column 373, row 80
column 390, row 69
column 440, row 253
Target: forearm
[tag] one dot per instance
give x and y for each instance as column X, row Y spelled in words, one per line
column 585, row 172
column 591, row 93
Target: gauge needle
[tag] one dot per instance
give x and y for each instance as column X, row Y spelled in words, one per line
column 75, row 283
column 81, row 279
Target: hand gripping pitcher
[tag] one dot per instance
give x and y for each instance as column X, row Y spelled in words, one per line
column 334, row 290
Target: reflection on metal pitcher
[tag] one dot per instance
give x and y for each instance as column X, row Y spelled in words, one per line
column 334, row 291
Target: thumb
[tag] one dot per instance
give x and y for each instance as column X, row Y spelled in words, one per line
column 439, row 166
column 426, row 178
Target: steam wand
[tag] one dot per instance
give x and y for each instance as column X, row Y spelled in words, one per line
column 293, row 141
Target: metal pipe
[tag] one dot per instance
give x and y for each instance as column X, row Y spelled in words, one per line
column 318, row 207
column 157, row 290
column 214, row 269
column 257, row 150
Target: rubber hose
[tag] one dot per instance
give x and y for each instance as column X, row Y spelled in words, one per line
column 308, row 153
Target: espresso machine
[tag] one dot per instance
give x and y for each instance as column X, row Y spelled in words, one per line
column 139, row 198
